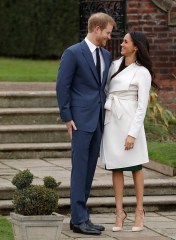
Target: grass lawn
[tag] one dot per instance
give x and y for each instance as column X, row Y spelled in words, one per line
column 6, row 232
column 24, row 70
column 163, row 152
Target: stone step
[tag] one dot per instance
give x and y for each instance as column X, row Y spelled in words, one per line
column 53, row 133
column 107, row 204
column 151, row 203
column 28, row 99
column 159, row 187
column 18, row 116
column 35, row 150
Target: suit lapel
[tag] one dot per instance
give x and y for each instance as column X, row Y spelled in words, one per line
column 106, row 61
column 88, row 56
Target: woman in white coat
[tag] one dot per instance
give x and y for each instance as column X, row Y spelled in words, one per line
column 124, row 145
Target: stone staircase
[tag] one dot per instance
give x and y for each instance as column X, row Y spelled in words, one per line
column 159, row 196
column 31, row 128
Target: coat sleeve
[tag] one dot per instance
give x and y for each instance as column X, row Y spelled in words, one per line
column 64, row 82
column 144, row 83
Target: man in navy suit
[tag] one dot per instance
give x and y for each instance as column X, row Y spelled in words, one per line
column 80, row 93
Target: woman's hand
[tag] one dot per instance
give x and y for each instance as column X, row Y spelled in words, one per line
column 70, row 126
column 129, row 142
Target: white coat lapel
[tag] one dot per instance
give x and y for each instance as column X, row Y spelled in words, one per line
column 122, row 80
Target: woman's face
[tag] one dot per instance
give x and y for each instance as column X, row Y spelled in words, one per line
column 128, row 47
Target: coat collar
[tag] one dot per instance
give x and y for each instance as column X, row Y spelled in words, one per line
column 123, row 79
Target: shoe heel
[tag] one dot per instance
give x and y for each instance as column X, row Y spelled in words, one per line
column 121, row 216
column 139, row 217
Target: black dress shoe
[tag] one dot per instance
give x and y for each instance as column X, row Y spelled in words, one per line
column 97, row 227
column 84, row 228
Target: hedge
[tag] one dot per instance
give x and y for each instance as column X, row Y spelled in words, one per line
column 38, row 28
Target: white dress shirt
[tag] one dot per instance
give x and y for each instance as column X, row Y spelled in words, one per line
column 92, row 48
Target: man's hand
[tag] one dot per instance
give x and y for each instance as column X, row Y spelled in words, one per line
column 70, row 126
column 129, row 142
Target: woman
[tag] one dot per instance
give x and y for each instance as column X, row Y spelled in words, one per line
column 124, row 145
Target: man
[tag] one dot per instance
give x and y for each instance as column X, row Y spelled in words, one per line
column 80, row 92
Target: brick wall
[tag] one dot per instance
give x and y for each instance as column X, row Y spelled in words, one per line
column 144, row 15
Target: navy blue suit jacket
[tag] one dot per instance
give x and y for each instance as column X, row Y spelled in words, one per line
column 80, row 94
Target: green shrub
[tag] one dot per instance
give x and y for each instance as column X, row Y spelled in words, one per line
column 34, row 199
column 50, row 182
column 160, row 123
column 157, row 113
column 156, row 132
column 23, row 179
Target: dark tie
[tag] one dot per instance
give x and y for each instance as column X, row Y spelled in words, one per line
column 98, row 65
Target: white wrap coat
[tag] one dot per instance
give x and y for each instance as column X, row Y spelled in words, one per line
column 126, row 104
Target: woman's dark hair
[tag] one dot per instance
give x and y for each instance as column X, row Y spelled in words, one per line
column 142, row 55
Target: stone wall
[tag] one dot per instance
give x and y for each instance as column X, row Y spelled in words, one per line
column 158, row 20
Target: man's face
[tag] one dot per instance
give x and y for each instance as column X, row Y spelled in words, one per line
column 103, row 35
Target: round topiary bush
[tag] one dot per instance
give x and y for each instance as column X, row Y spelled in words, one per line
column 50, row 182
column 23, row 179
column 34, row 199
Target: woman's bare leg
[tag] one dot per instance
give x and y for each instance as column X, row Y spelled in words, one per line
column 138, row 178
column 118, row 185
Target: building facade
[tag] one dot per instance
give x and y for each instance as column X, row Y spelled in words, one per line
column 157, row 18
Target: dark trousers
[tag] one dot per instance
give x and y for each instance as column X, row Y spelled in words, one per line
column 85, row 153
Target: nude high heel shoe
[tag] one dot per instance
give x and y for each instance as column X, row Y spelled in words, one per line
column 120, row 218
column 139, row 221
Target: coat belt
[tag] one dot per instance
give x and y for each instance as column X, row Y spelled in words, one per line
column 115, row 99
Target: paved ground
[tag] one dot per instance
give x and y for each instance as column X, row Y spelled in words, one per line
column 158, row 225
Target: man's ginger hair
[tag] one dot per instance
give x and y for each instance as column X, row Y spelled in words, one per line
column 100, row 19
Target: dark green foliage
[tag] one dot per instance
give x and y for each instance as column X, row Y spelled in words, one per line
column 160, row 123
column 155, row 132
column 50, row 182
column 35, row 199
column 38, row 28
column 157, row 113
column 22, row 179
